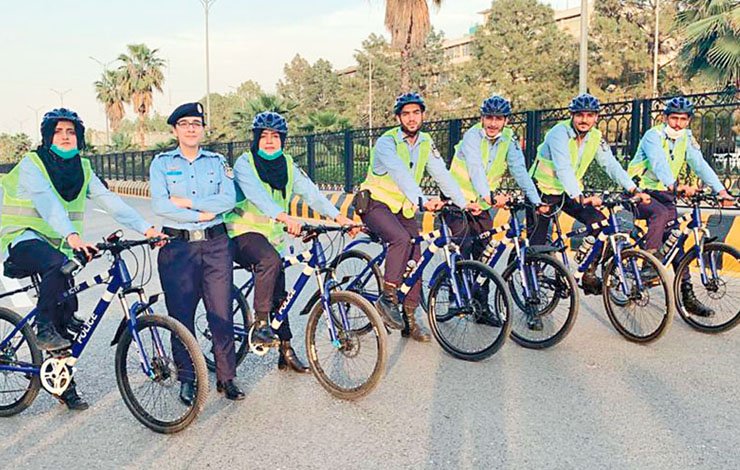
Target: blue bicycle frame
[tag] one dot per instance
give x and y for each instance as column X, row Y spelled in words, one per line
column 118, row 282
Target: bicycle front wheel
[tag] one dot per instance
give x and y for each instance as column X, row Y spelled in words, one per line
column 543, row 318
column 17, row 389
column 351, row 366
column 720, row 293
column 639, row 314
column 172, row 356
column 474, row 325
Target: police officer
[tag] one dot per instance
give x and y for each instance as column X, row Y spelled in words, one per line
column 661, row 156
column 562, row 159
column 44, row 201
column 397, row 164
column 191, row 189
column 481, row 158
column 266, row 180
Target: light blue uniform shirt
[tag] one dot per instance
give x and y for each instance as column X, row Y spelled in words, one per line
column 387, row 161
column 557, row 148
column 651, row 147
column 34, row 186
column 470, row 150
column 204, row 181
column 252, row 187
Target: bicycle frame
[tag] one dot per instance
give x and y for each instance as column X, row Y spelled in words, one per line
column 118, row 282
column 314, row 260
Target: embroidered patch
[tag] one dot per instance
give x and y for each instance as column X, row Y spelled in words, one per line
column 228, row 170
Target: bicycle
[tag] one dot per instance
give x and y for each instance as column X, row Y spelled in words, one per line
column 543, row 290
column 460, row 297
column 143, row 376
column 623, row 265
column 714, row 266
column 334, row 312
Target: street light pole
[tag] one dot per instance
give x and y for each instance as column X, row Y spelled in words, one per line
column 36, row 113
column 61, row 94
column 583, row 63
column 206, row 5
column 655, row 49
column 105, row 112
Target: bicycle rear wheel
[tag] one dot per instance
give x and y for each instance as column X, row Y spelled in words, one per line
column 721, row 292
column 475, row 326
column 350, row 367
column 640, row 315
column 243, row 319
column 153, row 396
column 17, row 389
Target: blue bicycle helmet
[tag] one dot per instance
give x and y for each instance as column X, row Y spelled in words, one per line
column 408, row 98
column 49, row 124
column 584, row 102
column 495, row 106
column 272, row 121
column 679, row 104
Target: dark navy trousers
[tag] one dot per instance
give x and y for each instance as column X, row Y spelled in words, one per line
column 189, row 272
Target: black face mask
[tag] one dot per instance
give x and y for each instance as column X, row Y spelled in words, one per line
column 66, row 175
column 273, row 172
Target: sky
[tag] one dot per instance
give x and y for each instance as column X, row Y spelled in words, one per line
column 47, row 45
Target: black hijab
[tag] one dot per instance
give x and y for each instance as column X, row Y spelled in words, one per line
column 66, row 175
column 273, row 172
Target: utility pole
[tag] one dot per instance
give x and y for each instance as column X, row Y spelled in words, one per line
column 583, row 62
column 61, row 95
column 206, row 6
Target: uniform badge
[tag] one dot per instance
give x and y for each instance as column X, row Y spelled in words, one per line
column 435, row 153
column 228, row 170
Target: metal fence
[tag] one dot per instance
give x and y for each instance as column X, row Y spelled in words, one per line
column 339, row 160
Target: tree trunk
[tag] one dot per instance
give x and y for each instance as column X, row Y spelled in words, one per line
column 140, row 131
column 405, row 73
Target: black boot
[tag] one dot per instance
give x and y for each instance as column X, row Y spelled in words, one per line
column 72, row 399
column 591, row 283
column 230, row 390
column 289, row 359
column 47, row 337
column 648, row 272
column 263, row 334
column 692, row 304
column 411, row 329
column 187, row 393
column 483, row 313
column 387, row 306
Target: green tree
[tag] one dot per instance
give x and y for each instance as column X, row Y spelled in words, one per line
column 409, row 25
column 13, row 147
column 241, row 120
column 313, row 87
column 711, row 39
column 141, row 74
column 521, row 54
column 324, row 121
column 109, row 92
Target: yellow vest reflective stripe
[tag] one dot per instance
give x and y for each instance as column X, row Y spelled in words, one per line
column 459, row 169
column 382, row 187
column 246, row 217
column 543, row 169
column 641, row 168
column 19, row 214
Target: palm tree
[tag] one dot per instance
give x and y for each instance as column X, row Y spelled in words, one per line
column 325, row 121
column 141, row 74
column 711, row 31
column 109, row 92
column 408, row 23
column 242, row 119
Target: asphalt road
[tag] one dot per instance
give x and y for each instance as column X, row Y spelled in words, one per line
column 595, row 400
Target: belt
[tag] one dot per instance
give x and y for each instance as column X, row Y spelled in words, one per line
column 197, row 234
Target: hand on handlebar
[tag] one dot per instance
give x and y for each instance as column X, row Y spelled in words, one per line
column 345, row 221
column 642, row 198
column 75, row 242
column 592, row 201
column 543, row 209
column 474, row 208
column 433, row 204
column 686, row 190
column 500, row 201
column 292, row 226
column 152, row 233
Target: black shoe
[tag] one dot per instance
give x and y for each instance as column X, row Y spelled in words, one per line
column 412, row 329
column 263, row 335
column 48, row 339
column 534, row 323
column 648, row 273
column 692, row 304
column 187, row 393
column 72, row 399
column 389, row 312
column 591, row 284
column 230, row 390
column 289, row 359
